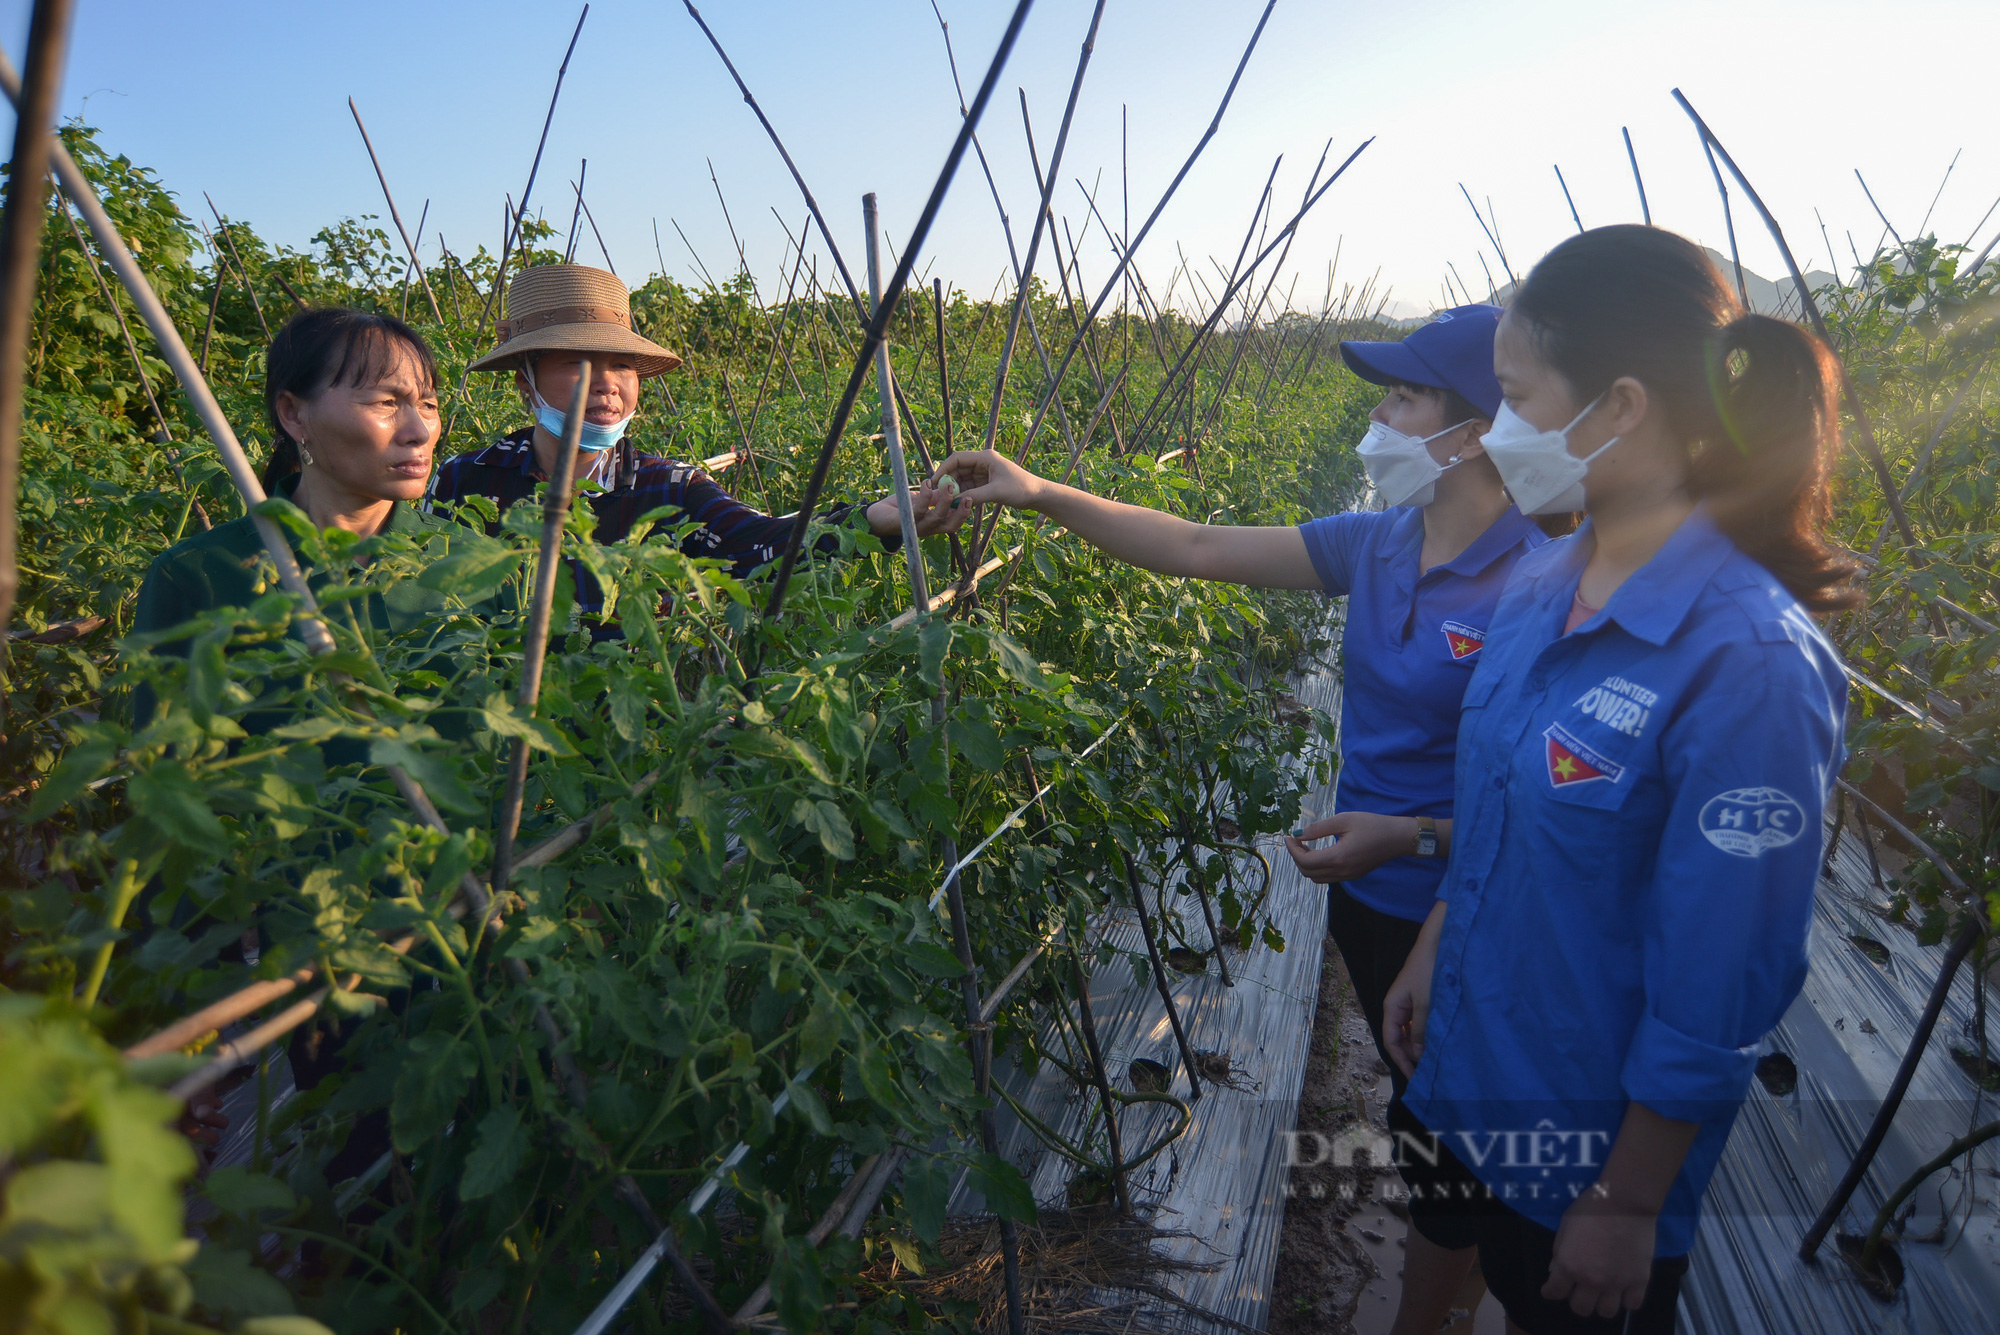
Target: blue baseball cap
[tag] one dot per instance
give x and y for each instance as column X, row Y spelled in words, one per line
column 1454, row 351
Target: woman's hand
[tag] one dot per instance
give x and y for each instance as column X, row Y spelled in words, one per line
column 1603, row 1256
column 1408, row 1005
column 1362, row 841
column 1604, row 1247
column 933, row 507
column 988, row 475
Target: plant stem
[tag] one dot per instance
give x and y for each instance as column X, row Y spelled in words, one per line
column 124, row 889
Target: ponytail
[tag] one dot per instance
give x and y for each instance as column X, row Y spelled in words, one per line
column 1751, row 398
column 1764, row 478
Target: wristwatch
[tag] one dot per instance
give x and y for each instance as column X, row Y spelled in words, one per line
column 1427, row 837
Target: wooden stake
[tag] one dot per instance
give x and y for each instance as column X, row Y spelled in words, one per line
column 20, row 258
column 409, row 246
column 878, row 324
column 555, row 514
column 1645, row 209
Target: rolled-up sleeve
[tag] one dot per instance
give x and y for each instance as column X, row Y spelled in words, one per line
column 1748, row 773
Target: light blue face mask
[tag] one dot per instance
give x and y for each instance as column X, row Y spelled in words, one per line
column 593, row 439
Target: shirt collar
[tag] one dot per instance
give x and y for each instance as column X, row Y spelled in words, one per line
column 518, row 450
column 1653, row 603
column 1500, row 537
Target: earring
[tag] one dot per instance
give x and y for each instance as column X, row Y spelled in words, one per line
column 305, row 454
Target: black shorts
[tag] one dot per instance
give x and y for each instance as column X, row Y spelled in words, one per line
column 1453, row 1209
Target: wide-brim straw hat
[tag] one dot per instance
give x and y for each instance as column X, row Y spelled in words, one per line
column 571, row 308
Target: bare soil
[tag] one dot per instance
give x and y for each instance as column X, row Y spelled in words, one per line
column 1323, row 1267
column 1340, row 1252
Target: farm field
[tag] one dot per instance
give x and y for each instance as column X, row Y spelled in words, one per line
column 784, row 886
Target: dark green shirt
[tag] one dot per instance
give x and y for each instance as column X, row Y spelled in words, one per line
column 219, row 568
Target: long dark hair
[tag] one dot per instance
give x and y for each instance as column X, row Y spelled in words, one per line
column 1753, row 398
column 327, row 346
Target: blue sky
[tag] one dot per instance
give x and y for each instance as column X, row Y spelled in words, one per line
column 248, row 102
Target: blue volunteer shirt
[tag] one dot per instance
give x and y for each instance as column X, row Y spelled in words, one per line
column 1632, row 868
column 1409, row 648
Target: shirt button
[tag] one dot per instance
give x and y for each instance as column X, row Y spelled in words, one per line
column 1500, row 780
column 1450, row 978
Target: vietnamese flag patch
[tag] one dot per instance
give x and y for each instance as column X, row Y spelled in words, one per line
column 1465, row 641
column 1570, row 761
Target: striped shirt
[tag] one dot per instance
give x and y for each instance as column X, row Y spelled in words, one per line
column 635, row 484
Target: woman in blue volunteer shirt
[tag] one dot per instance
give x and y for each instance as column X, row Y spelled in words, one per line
column 1421, row 579
column 1645, row 752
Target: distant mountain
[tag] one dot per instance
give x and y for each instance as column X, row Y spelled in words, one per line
column 1767, row 297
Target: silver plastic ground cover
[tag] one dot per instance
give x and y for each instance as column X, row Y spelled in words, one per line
column 1846, row 1035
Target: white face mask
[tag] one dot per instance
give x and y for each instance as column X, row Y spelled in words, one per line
column 1400, row 466
column 1540, row 473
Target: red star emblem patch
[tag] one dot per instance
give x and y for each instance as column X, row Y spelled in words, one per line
column 1570, row 761
column 1465, row 641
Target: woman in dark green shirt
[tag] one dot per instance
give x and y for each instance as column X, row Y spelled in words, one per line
column 353, row 401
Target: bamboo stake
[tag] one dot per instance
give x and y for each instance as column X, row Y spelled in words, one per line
column 948, row 845
column 1498, row 249
column 1645, row 209
column 409, row 246
column 1864, row 1154
column 510, row 231
column 1111, row 283
column 534, row 646
column 1195, row 343
column 1871, row 451
column 20, row 259
column 892, row 437
column 174, row 352
column 575, row 214
column 835, row 1214
column 878, row 324
column 242, row 273
column 1574, row 216
column 1728, row 222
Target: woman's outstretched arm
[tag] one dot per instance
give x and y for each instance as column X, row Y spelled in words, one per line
column 1266, row 557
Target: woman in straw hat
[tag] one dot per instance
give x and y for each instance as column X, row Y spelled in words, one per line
column 560, row 316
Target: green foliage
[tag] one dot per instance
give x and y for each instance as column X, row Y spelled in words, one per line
column 750, row 918
column 1918, row 332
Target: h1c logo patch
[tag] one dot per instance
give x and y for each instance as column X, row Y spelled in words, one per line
column 1464, row 640
column 1750, row 822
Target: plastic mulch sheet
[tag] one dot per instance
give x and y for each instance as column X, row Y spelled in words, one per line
column 1844, row 1037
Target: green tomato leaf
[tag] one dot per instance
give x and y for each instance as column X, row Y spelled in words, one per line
column 496, row 1154
column 1005, row 1190
column 926, row 1193
column 170, row 798
column 437, row 1071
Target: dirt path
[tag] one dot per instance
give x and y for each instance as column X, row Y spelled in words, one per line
column 1340, row 1251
